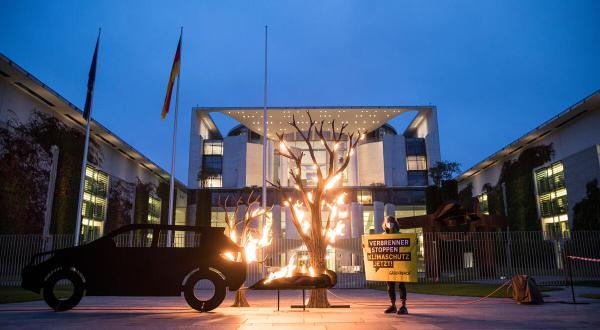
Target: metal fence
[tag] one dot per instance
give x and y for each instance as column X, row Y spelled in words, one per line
column 442, row 257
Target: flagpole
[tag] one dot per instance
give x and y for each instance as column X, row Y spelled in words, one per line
column 264, row 169
column 86, row 143
column 172, row 179
column 82, row 182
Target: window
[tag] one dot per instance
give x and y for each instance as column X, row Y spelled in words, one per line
column 309, row 170
column 93, row 211
column 154, row 204
column 215, row 181
column 368, row 220
column 213, row 148
column 364, row 197
column 483, row 203
column 552, row 197
column 404, row 211
column 417, row 178
column 217, row 217
column 416, row 163
column 415, row 146
column 214, row 164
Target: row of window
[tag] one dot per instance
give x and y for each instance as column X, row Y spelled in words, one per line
column 218, row 218
column 552, row 197
column 95, row 200
column 416, row 162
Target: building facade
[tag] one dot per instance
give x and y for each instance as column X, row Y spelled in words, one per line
column 387, row 174
column 558, row 184
column 122, row 186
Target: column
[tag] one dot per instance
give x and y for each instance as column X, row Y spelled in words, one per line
column 356, row 219
column 290, row 229
column 390, row 210
column 276, row 221
column 378, row 212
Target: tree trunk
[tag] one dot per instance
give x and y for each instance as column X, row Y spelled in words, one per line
column 317, row 252
column 240, row 298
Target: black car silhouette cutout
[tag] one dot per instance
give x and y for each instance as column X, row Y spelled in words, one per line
column 141, row 260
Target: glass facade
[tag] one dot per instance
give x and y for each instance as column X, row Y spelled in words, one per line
column 483, row 203
column 403, row 211
column 213, row 147
column 368, row 220
column 364, row 197
column 416, row 162
column 212, row 163
column 95, row 196
column 417, row 178
column 154, row 205
column 309, row 170
column 217, row 217
column 552, row 197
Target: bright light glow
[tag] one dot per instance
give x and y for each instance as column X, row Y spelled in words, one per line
column 333, row 181
column 286, row 271
column 309, row 195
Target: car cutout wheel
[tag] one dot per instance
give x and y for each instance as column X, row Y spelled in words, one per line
column 63, row 290
column 200, row 298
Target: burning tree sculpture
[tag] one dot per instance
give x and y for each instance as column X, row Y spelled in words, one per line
column 315, row 234
column 244, row 233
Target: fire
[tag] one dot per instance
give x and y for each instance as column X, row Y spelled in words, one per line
column 249, row 239
column 290, row 270
column 331, row 182
column 286, row 271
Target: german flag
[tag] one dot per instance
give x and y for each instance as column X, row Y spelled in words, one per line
column 174, row 74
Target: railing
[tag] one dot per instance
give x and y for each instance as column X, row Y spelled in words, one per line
column 442, row 257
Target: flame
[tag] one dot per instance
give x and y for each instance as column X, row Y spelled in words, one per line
column 233, row 236
column 229, row 256
column 309, row 195
column 250, row 249
column 286, row 271
column 331, row 182
column 311, row 271
column 249, row 239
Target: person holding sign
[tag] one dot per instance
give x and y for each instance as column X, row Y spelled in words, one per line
column 390, row 226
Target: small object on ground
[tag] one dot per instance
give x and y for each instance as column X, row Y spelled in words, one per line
column 525, row 290
column 402, row 310
column 390, row 310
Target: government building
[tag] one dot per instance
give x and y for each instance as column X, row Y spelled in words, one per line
column 387, row 175
column 556, row 182
column 40, row 178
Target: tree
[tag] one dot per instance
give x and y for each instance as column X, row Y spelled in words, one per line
column 315, row 234
column 442, row 171
column 205, row 174
column 24, row 167
column 586, row 213
column 516, row 175
column 242, row 231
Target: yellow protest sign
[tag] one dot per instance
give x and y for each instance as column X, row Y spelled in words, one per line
column 390, row 257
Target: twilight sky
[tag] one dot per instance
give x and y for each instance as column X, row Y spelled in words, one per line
column 495, row 70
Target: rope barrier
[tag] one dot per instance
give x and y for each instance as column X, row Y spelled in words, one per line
column 584, row 259
column 442, row 303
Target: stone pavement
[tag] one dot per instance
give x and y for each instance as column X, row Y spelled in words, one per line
column 366, row 312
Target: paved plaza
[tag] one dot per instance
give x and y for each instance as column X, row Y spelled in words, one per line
column 366, row 312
